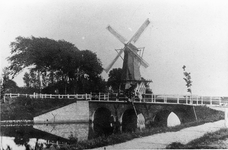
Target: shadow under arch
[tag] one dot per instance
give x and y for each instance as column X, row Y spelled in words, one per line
column 102, row 120
column 161, row 118
column 130, row 121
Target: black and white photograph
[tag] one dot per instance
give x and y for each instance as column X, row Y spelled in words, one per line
column 113, row 74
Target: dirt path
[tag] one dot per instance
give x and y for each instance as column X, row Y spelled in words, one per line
column 160, row 141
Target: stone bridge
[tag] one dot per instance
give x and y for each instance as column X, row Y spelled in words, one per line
column 148, row 114
column 121, row 115
column 106, row 111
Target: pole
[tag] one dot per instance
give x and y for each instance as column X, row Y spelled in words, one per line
column 195, row 113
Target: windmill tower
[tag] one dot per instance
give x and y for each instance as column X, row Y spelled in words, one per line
column 132, row 61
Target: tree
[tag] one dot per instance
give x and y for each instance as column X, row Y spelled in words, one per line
column 42, row 54
column 187, row 79
column 32, row 82
column 8, row 85
column 115, row 79
column 189, row 85
column 26, row 79
column 54, row 65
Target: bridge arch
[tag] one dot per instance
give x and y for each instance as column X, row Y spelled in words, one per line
column 130, row 121
column 101, row 121
column 162, row 118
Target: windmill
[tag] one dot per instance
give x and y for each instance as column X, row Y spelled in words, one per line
column 132, row 60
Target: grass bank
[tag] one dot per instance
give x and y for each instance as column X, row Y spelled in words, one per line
column 215, row 140
column 25, row 108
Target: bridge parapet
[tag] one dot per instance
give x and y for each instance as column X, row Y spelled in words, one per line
column 115, row 97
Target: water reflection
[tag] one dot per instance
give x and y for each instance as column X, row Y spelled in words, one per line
column 44, row 135
column 20, row 137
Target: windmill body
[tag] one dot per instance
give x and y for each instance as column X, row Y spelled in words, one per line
column 131, row 67
column 132, row 61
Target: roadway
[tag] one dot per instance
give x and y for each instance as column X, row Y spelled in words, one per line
column 161, row 140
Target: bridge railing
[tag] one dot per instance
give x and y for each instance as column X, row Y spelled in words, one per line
column 51, row 96
column 115, row 97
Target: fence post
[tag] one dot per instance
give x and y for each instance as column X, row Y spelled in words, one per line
column 153, row 100
column 178, row 99
column 186, row 98
column 90, row 96
column 99, row 96
column 210, row 100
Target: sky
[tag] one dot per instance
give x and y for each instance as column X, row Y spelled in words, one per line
column 182, row 32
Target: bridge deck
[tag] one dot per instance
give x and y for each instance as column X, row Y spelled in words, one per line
column 114, row 97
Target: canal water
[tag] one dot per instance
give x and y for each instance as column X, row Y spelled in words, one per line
column 17, row 137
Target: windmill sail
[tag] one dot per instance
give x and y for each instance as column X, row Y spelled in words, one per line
column 140, row 31
column 112, row 63
column 117, row 35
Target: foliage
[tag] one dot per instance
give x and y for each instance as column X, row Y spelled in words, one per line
column 55, row 65
column 115, row 80
column 7, row 85
column 32, row 79
column 188, row 80
column 25, row 108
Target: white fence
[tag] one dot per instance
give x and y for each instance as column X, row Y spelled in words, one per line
column 114, row 97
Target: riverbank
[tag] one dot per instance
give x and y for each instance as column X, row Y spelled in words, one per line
column 25, row 108
column 215, row 140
